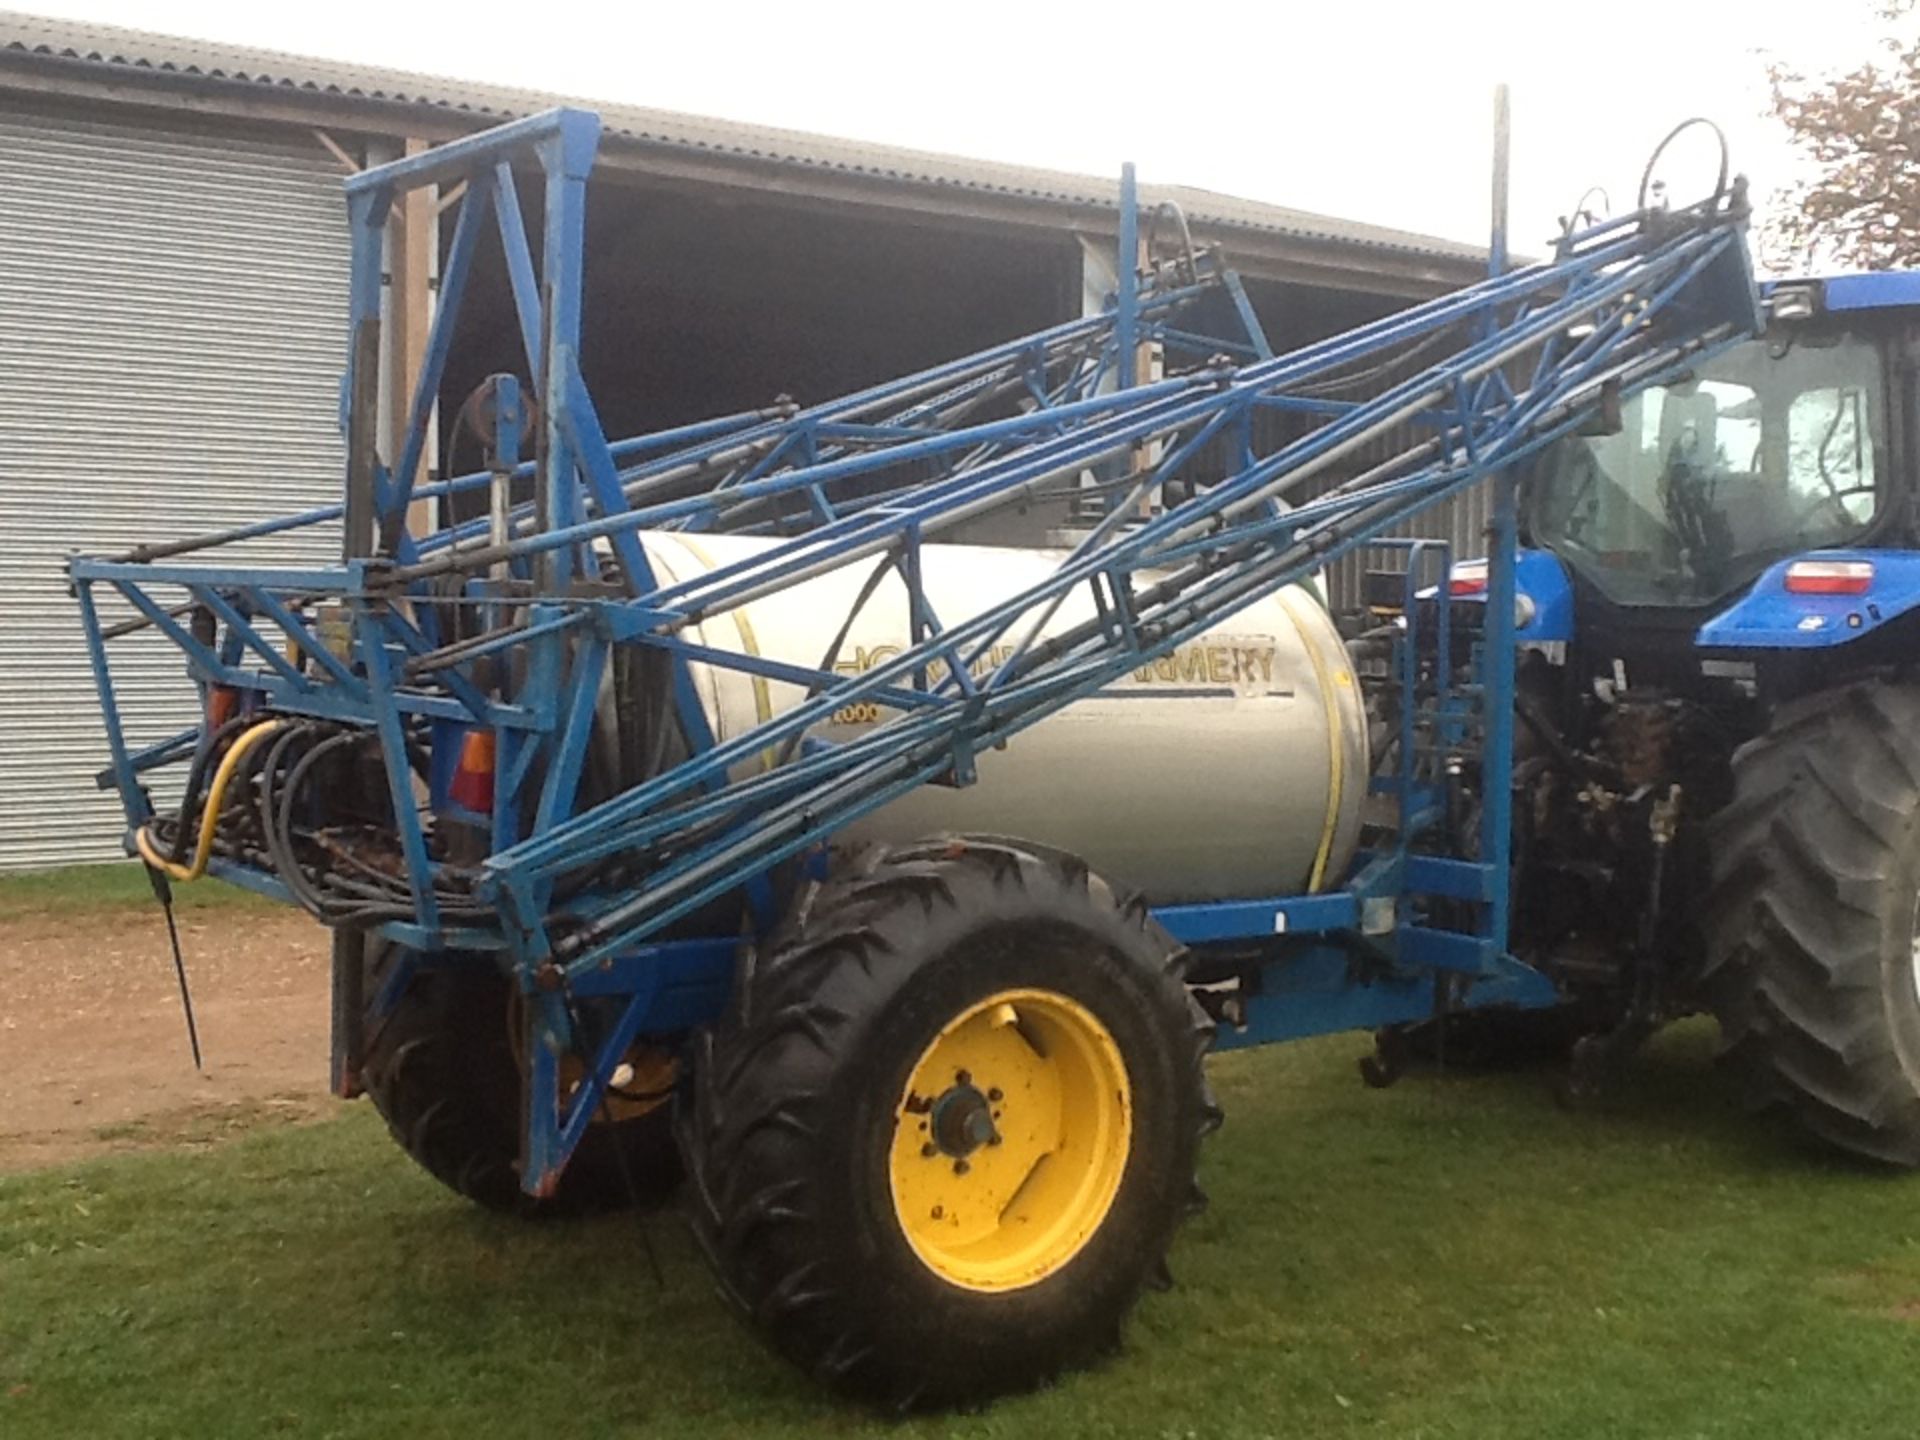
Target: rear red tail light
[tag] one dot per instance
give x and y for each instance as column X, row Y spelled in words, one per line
column 1468, row 578
column 472, row 787
column 223, row 703
column 1829, row 577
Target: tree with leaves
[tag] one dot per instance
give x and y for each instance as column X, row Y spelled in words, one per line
column 1861, row 132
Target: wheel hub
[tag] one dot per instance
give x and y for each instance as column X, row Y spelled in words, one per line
column 1914, row 931
column 962, row 1121
column 1011, row 1140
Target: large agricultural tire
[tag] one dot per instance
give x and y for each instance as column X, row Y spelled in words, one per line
column 943, row 1136
column 441, row 1069
column 1813, row 956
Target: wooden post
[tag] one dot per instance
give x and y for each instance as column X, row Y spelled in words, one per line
column 410, row 308
column 1147, row 367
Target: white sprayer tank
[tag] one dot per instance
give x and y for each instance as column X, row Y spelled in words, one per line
column 1232, row 768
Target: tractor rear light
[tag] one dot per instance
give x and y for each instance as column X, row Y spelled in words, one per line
column 472, row 787
column 1469, row 577
column 1793, row 302
column 1829, row 577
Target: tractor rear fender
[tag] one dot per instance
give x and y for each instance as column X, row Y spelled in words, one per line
column 1543, row 595
column 1819, row 600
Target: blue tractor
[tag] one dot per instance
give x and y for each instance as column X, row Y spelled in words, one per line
column 1717, row 758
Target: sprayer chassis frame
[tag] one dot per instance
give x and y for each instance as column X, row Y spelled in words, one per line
column 1353, row 957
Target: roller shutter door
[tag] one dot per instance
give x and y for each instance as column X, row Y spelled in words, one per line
column 172, row 327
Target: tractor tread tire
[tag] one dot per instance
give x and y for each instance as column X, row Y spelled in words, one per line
column 440, row 1070
column 771, row 1191
column 1810, row 918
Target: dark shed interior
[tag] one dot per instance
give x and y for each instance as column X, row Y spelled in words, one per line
column 700, row 304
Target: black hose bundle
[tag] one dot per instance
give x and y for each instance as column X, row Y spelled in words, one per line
column 193, row 797
column 306, row 832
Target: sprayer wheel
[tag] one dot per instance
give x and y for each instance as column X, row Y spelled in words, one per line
column 943, row 1135
column 441, row 1070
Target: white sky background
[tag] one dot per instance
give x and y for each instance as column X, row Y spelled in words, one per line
column 1378, row 111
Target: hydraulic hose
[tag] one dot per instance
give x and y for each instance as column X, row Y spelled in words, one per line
column 196, row 777
column 210, row 813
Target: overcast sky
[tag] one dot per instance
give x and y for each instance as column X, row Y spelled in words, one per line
column 1378, row 111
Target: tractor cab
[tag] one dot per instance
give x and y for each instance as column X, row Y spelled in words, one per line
column 1792, row 444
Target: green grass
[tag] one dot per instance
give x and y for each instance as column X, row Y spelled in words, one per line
column 74, row 888
column 1452, row 1258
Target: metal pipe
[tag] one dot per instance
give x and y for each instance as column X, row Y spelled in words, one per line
column 1502, row 143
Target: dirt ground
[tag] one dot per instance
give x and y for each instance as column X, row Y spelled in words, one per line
column 93, row 1050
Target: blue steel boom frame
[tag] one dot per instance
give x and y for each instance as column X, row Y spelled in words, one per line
column 1489, row 375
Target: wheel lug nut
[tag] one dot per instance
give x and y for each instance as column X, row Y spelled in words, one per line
column 995, row 1096
column 929, row 1150
column 994, row 1139
column 960, row 1167
column 961, row 1077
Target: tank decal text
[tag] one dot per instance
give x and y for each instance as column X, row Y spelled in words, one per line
column 1237, row 664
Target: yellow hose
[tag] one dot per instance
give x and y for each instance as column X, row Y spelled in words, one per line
column 210, row 816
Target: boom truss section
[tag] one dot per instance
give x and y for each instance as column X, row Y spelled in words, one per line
column 1193, row 504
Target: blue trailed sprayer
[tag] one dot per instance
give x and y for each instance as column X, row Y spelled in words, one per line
column 707, row 802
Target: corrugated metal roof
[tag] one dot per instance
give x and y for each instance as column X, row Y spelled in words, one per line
column 119, row 48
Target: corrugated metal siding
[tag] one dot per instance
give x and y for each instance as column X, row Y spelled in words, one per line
column 172, row 326
column 1463, row 520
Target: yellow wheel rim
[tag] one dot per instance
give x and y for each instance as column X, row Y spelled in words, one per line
column 1010, row 1140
